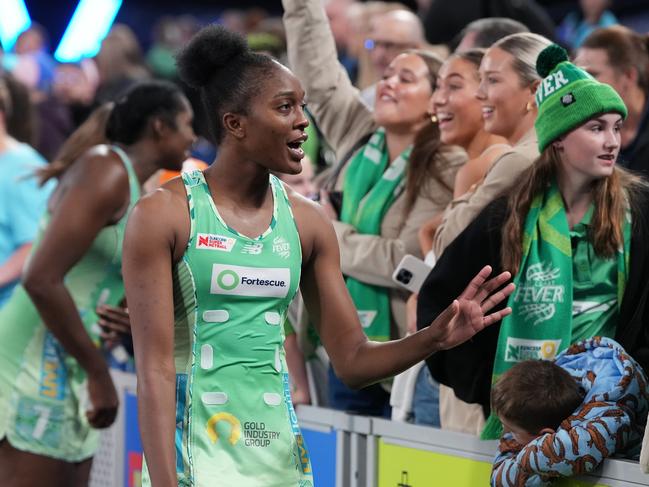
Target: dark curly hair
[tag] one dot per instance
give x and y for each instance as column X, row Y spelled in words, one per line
column 226, row 72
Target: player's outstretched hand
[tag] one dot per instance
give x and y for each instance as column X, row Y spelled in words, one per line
column 469, row 313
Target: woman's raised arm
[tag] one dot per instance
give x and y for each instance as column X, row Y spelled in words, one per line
column 358, row 361
column 332, row 99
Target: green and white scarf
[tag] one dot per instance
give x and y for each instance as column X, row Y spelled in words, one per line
column 369, row 190
column 540, row 325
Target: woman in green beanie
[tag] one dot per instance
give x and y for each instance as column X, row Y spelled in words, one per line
column 572, row 232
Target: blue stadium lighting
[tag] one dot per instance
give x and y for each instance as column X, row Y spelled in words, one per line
column 89, row 25
column 13, row 20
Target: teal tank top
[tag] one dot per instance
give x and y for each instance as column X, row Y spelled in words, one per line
column 235, row 421
column 97, row 278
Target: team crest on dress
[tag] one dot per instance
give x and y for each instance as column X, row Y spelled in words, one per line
column 281, row 247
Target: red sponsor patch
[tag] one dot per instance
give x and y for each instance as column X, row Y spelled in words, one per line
column 214, row 242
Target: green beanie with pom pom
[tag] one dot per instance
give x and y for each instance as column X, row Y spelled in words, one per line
column 568, row 96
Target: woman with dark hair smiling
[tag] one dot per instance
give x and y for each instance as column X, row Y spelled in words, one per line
column 393, row 173
column 459, row 115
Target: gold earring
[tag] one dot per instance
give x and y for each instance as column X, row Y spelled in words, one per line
column 529, row 106
column 433, row 118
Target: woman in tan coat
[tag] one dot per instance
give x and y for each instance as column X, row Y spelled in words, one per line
column 391, row 182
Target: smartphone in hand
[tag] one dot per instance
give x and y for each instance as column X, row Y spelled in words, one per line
column 411, row 273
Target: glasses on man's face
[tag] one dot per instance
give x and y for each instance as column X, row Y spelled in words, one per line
column 372, row 44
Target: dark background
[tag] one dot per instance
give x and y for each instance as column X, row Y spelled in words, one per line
column 142, row 14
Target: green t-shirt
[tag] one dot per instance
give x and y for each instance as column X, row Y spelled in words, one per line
column 594, row 302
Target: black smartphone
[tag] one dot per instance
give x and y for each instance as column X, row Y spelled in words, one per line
column 336, row 200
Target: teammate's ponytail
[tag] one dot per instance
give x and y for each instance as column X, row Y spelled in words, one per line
column 90, row 133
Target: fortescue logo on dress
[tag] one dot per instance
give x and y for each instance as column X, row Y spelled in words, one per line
column 250, row 281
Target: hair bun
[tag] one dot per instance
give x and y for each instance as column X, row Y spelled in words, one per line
column 549, row 58
column 210, row 50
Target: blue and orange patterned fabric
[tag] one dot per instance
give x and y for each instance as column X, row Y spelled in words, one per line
column 610, row 421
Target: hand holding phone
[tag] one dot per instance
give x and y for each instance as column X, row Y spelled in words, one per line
column 411, row 273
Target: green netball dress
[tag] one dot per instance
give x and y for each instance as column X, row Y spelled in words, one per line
column 235, row 421
column 43, row 390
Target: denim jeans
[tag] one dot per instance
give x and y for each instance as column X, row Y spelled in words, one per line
column 369, row 401
column 425, row 402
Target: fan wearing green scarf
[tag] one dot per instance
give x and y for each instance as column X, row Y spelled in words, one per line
column 568, row 233
column 572, row 230
column 393, row 173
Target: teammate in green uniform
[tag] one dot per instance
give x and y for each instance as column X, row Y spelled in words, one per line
column 211, row 262
column 55, row 389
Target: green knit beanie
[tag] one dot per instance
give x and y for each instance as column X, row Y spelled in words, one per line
column 568, row 96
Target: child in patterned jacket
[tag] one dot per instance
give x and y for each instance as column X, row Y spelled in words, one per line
column 563, row 418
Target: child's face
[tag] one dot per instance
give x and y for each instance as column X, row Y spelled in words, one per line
column 520, row 435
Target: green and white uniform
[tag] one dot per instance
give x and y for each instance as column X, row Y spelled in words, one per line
column 235, row 421
column 43, row 391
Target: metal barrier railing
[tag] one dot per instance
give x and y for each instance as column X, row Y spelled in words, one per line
column 354, row 451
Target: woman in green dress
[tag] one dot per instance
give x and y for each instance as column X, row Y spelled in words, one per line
column 208, row 286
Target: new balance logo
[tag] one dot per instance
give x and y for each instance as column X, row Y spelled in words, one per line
column 252, row 248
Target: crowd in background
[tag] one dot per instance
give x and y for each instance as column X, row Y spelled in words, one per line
column 447, row 102
column 63, row 94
